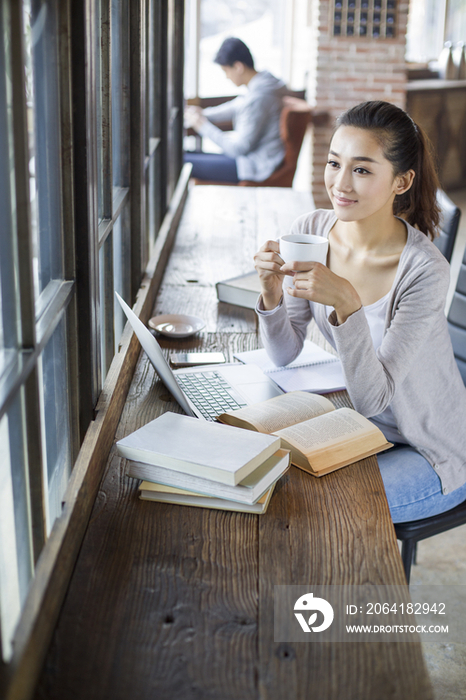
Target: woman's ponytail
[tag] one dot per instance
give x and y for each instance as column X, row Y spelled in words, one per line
column 418, row 206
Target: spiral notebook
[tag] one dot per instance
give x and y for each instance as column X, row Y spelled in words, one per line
column 314, row 369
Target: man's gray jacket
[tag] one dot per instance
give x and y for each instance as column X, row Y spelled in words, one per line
column 255, row 141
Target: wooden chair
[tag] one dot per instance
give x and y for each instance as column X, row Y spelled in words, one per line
column 295, row 117
column 449, row 221
column 412, row 532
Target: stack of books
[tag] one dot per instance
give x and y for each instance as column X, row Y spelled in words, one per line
column 188, row 461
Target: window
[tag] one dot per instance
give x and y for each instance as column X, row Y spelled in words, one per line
column 264, row 25
column 430, row 24
column 113, row 157
column 455, row 24
column 90, row 152
column 43, row 106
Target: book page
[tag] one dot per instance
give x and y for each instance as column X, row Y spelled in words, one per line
column 324, row 431
column 282, row 411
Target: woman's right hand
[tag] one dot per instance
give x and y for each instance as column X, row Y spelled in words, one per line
column 268, row 262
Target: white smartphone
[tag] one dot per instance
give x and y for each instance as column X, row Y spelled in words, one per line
column 189, row 359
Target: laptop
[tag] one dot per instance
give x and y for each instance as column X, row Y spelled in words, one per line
column 204, row 392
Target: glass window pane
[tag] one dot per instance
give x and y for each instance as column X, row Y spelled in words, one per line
column 16, row 567
column 114, row 275
column 121, row 277
column 261, row 24
column 456, row 21
column 41, row 36
column 55, row 417
column 106, row 304
column 118, row 278
column 425, row 34
column 151, row 201
column 9, row 312
column 150, row 77
column 120, row 93
column 98, row 97
column 154, row 194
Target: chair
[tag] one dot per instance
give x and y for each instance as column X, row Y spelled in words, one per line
column 449, row 221
column 412, row 532
column 295, row 117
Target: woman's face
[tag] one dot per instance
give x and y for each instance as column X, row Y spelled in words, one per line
column 358, row 177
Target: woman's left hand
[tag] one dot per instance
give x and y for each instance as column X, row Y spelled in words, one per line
column 315, row 282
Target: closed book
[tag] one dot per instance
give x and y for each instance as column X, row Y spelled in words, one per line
column 149, row 491
column 210, row 450
column 249, row 491
column 242, row 291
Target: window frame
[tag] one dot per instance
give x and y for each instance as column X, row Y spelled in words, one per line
column 292, row 34
column 75, row 299
column 444, row 28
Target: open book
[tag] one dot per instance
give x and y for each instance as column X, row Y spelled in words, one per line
column 320, row 437
column 314, row 369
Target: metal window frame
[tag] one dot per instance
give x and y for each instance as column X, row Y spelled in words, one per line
column 75, row 298
column 36, row 331
column 38, row 322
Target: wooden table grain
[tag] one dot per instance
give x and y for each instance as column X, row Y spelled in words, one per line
column 176, row 602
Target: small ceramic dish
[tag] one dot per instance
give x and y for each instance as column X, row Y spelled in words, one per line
column 177, row 325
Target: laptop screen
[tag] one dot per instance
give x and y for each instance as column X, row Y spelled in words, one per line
column 155, row 354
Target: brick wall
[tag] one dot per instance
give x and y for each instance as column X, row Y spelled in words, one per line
column 347, row 70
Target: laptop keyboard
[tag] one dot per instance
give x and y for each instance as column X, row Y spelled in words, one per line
column 210, row 393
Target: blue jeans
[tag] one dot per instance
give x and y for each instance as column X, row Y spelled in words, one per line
column 412, row 486
column 212, row 166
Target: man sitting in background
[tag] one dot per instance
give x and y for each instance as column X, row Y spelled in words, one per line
column 254, row 149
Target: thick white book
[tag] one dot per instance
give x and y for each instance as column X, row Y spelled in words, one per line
column 314, row 369
column 249, row 491
column 149, row 491
column 222, row 453
column 242, row 290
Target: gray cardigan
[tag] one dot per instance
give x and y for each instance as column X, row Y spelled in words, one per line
column 255, row 142
column 414, row 370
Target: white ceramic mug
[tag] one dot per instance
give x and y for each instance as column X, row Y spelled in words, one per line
column 302, row 247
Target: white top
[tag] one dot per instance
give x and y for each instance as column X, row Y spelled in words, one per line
column 376, row 314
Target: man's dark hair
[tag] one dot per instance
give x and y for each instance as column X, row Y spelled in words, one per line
column 233, row 50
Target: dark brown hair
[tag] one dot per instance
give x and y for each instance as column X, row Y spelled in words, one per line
column 233, row 50
column 406, row 147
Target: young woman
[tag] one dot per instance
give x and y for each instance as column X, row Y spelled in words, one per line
column 380, row 302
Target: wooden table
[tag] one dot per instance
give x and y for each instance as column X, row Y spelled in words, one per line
column 174, row 602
